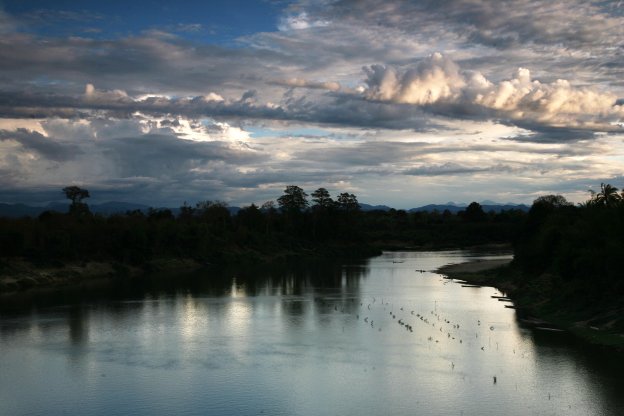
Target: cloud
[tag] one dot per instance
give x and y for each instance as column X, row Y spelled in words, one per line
column 143, row 64
column 36, row 142
column 147, row 159
column 93, row 95
column 158, row 115
column 394, row 98
column 438, row 83
column 345, row 109
column 548, row 134
column 455, row 169
column 502, row 24
column 431, row 80
column 303, row 83
column 160, row 75
column 299, row 21
column 558, row 103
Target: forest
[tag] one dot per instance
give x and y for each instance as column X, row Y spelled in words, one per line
column 296, row 224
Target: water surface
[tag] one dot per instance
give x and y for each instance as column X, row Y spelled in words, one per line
column 371, row 338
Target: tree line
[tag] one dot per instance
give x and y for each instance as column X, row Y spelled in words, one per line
column 297, row 223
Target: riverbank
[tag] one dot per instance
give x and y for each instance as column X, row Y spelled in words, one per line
column 473, row 266
column 18, row 274
column 21, row 274
column 598, row 326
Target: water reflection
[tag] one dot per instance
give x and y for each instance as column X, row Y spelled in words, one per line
column 78, row 325
column 377, row 337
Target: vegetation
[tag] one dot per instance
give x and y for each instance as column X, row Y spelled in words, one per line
column 569, row 258
column 567, row 267
column 209, row 233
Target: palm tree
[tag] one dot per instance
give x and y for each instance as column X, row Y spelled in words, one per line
column 608, row 196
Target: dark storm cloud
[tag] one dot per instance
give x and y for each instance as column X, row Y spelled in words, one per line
column 364, row 154
column 339, row 109
column 160, row 155
column 503, row 24
column 548, row 134
column 454, row 169
column 303, row 83
column 36, row 142
column 145, row 63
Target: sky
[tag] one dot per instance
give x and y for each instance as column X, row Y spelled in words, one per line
column 400, row 103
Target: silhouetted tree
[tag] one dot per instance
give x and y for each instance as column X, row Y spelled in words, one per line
column 474, row 212
column 293, row 200
column 251, row 217
column 76, row 195
column 322, row 199
column 546, row 205
column 214, row 213
column 160, row 214
column 186, row 212
column 552, row 201
column 347, row 202
column 268, row 206
column 607, row 197
column 270, row 212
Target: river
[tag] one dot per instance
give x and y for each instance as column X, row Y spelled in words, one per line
column 386, row 336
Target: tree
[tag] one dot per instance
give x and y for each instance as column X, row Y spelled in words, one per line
column 186, row 212
column 268, row 206
column 553, row 201
column 474, row 212
column 293, row 200
column 546, row 205
column 251, row 217
column 321, row 198
column 76, row 195
column 607, row 197
column 214, row 213
column 347, row 202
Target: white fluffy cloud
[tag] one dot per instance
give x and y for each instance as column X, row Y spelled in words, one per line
column 437, row 80
column 431, row 80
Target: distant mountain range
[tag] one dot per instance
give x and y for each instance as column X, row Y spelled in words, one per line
column 452, row 207
column 109, row 208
